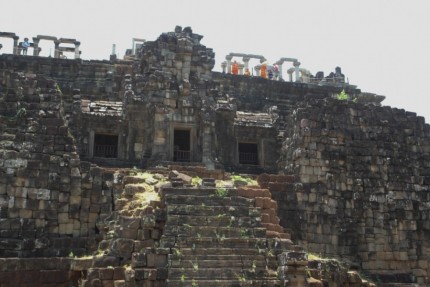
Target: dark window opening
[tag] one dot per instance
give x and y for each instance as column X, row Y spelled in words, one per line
column 181, row 144
column 105, row 146
column 248, row 153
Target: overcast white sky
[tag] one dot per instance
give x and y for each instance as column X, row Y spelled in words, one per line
column 382, row 46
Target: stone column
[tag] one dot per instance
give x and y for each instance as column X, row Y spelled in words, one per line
column 280, row 70
column 15, row 50
column 91, row 144
column 297, row 70
column 257, row 70
column 240, row 65
column 36, row 49
column 246, row 62
column 290, row 75
column 57, row 49
column 228, row 58
column 77, row 54
column 223, row 66
column 207, row 145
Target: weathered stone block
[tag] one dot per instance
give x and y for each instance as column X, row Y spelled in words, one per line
column 122, row 247
column 127, row 233
column 138, row 259
column 3, row 188
column 66, row 228
column 106, row 273
column 119, row 273
column 75, row 200
column 156, row 260
column 25, row 213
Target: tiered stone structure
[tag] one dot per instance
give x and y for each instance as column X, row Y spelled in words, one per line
column 339, row 177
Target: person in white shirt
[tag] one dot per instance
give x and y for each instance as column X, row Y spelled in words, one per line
column 25, row 46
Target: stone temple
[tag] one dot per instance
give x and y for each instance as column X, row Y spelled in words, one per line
column 154, row 170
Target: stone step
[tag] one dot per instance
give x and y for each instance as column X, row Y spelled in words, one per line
column 214, row 221
column 177, row 199
column 217, row 232
column 399, row 285
column 177, row 253
column 221, row 273
column 190, row 261
column 223, row 283
column 220, row 251
column 206, row 242
column 200, row 191
column 212, row 210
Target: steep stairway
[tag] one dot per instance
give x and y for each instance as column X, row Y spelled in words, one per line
column 217, row 239
column 195, row 236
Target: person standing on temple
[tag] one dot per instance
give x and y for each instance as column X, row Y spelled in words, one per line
column 263, row 70
column 25, row 46
column 235, row 68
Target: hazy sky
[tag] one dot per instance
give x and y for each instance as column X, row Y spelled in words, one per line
column 382, row 46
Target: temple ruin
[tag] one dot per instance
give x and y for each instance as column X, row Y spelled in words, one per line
column 155, row 170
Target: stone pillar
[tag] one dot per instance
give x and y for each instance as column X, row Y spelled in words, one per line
column 290, row 75
column 240, row 65
column 280, row 70
column 57, row 49
column 297, row 70
column 36, row 49
column 207, row 145
column 257, row 70
column 228, row 58
column 223, row 66
column 246, row 62
column 77, row 53
column 91, row 144
column 15, row 50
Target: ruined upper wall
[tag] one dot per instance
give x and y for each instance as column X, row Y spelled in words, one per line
column 94, row 79
column 179, row 54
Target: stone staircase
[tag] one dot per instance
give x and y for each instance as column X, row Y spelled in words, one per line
column 196, row 236
column 217, row 239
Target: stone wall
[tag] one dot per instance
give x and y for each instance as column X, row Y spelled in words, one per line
column 96, row 79
column 42, row 272
column 255, row 93
column 361, row 185
column 49, row 199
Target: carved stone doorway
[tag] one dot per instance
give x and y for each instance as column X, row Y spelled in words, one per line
column 181, row 145
column 105, row 146
column 248, row 153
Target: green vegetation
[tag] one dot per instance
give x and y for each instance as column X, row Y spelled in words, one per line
column 313, row 256
column 221, row 192
column 195, row 265
column 243, row 233
column 240, row 277
column 247, row 180
column 254, row 266
column 20, row 113
column 342, row 96
column 196, row 181
column 177, row 255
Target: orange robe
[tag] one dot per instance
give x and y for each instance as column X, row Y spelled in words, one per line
column 235, row 68
column 263, row 71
